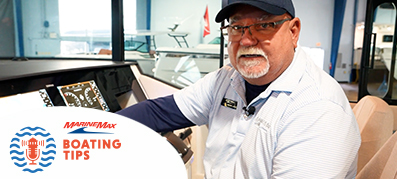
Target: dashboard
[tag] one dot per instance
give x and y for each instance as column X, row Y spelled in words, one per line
column 74, row 83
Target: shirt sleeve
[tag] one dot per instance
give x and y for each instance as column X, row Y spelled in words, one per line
column 196, row 101
column 161, row 114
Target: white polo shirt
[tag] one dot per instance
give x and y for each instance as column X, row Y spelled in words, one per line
column 303, row 126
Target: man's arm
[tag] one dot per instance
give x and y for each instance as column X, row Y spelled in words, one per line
column 161, row 114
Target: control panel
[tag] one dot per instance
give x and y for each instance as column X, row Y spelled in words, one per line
column 83, row 94
column 90, row 84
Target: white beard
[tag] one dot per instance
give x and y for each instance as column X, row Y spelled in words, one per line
column 245, row 67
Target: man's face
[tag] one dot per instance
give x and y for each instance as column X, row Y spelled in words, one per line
column 261, row 56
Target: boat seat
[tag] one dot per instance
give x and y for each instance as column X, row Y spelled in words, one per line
column 383, row 164
column 375, row 121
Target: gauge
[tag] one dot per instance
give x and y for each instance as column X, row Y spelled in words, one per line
column 72, row 99
column 85, row 104
column 90, row 96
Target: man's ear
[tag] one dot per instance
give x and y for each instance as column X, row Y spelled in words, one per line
column 295, row 28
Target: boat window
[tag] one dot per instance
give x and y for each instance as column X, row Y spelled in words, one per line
column 82, row 29
column 180, row 45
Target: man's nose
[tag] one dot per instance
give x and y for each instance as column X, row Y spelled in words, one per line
column 247, row 39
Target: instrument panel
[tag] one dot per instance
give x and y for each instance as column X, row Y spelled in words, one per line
column 94, row 84
column 83, row 94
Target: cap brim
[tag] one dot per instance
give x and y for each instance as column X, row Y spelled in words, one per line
column 228, row 10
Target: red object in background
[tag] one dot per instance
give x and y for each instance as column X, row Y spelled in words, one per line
column 207, row 23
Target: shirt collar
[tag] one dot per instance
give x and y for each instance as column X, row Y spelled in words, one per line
column 290, row 78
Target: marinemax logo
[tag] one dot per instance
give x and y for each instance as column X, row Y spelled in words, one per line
column 77, row 149
column 93, row 125
column 32, row 149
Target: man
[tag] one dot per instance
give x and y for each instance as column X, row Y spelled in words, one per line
column 271, row 113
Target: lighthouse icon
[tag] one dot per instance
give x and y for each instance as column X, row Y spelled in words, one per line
column 32, row 153
column 32, row 149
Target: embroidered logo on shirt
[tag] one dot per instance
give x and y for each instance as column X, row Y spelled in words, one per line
column 229, row 103
column 262, row 124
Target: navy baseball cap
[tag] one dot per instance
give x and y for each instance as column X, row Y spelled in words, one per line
column 276, row 7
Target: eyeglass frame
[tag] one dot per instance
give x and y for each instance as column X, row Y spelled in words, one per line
column 249, row 29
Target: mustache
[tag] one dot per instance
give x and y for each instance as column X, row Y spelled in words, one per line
column 251, row 52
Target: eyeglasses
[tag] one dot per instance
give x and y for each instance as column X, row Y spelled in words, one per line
column 235, row 32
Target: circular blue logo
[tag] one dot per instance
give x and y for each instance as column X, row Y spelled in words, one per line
column 32, row 149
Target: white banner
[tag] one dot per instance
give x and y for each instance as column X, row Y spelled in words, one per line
column 67, row 142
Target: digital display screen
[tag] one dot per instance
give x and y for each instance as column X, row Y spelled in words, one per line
column 32, row 99
column 83, row 94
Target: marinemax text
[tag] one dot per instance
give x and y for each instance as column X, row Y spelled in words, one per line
column 102, row 125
